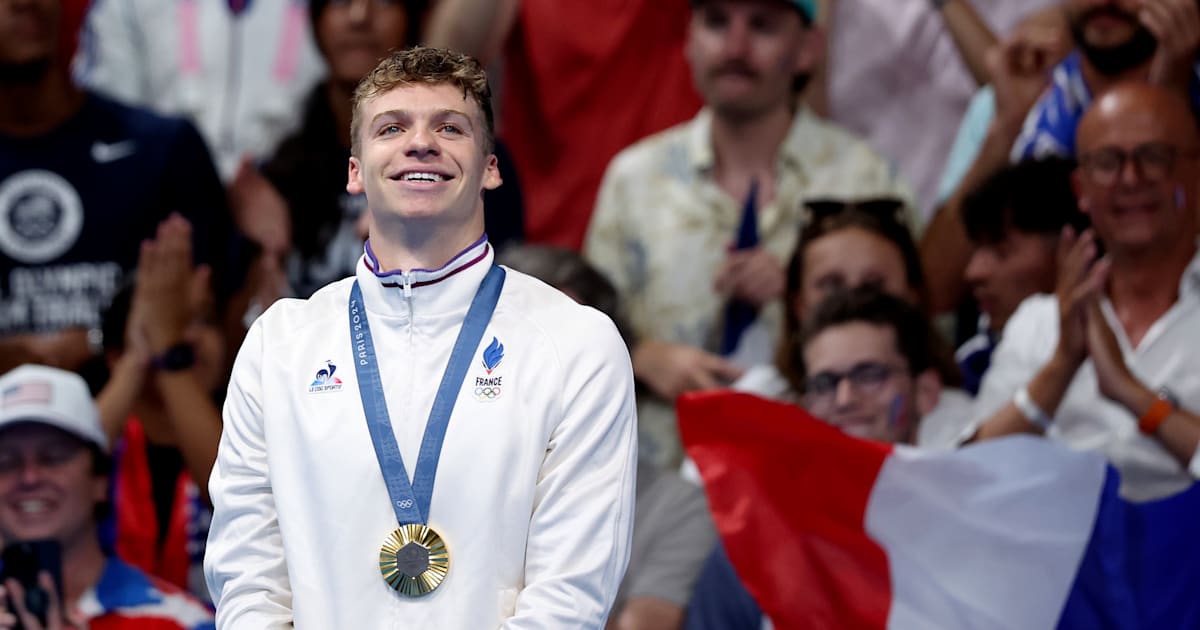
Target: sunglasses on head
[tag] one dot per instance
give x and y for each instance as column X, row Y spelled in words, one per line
column 883, row 208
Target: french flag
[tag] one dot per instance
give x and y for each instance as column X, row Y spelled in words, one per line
column 830, row 531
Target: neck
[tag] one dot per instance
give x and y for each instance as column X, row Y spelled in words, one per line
column 340, row 97
column 37, row 107
column 750, row 144
column 1145, row 284
column 155, row 423
column 409, row 246
column 83, row 564
column 1098, row 83
column 746, row 150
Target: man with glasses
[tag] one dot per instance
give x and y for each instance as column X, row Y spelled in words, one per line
column 869, row 368
column 1110, row 362
column 692, row 225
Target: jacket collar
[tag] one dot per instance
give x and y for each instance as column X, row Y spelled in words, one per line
column 420, row 292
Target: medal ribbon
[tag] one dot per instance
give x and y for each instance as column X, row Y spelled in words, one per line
column 411, row 500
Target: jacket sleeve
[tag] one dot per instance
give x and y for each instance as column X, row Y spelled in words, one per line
column 582, row 518
column 244, row 562
column 109, row 57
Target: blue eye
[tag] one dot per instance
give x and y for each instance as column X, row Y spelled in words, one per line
column 387, row 129
column 450, row 128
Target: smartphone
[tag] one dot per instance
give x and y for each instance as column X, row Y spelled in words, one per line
column 23, row 561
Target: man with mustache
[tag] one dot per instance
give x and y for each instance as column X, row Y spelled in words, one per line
column 1117, row 40
column 692, row 225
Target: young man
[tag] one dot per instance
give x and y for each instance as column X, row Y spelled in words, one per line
column 1123, row 325
column 869, row 369
column 1013, row 221
column 531, row 433
column 316, row 229
column 673, row 206
column 54, row 471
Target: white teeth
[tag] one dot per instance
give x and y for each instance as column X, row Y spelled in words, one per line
column 32, row 506
column 423, row 177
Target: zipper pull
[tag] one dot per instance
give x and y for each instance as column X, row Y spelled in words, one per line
column 407, row 285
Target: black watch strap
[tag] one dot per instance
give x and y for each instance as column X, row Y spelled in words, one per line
column 178, row 357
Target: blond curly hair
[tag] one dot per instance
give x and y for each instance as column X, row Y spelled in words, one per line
column 421, row 65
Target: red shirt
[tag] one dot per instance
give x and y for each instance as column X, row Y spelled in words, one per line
column 582, row 81
column 180, row 559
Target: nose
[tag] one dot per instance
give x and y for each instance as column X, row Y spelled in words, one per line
column 843, row 395
column 979, row 266
column 737, row 39
column 359, row 11
column 1131, row 172
column 30, row 473
column 422, row 143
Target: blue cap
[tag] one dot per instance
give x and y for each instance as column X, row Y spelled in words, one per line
column 807, row 8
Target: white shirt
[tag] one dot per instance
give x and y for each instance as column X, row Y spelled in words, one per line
column 534, row 493
column 1085, row 420
column 242, row 79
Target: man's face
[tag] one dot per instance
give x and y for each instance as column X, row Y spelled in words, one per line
column 859, row 382
column 47, row 487
column 1109, row 34
column 745, row 54
column 1005, row 273
column 1137, row 170
column 848, row 259
column 355, row 34
column 422, row 156
column 28, row 31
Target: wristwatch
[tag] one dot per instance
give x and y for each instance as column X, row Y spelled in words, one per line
column 938, row 4
column 1164, row 393
column 178, row 357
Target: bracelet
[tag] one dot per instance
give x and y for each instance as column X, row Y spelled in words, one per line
column 1032, row 412
column 1154, row 416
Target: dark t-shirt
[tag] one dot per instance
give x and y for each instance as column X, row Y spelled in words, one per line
column 75, row 204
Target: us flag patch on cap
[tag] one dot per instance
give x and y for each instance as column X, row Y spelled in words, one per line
column 25, row 393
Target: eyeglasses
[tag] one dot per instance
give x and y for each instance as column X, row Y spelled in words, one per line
column 1154, row 161
column 865, row 378
column 884, row 208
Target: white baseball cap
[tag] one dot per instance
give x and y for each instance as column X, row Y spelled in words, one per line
column 36, row 393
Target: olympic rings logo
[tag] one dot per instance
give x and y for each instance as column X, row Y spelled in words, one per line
column 487, row 393
column 405, row 504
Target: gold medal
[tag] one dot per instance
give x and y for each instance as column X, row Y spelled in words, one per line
column 414, row 560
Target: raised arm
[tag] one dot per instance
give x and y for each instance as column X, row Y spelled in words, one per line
column 244, row 562
column 1020, row 71
column 475, row 27
column 582, row 519
column 971, row 35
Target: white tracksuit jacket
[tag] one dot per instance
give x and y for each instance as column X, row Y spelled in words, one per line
column 535, row 488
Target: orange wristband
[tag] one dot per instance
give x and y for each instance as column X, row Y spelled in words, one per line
column 1154, row 416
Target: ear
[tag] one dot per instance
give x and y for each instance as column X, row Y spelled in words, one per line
column 811, row 52
column 354, row 181
column 99, row 489
column 491, row 173
column 1083, row 201
column 927, row 391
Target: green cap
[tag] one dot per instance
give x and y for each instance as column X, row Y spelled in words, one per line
column 807, row 8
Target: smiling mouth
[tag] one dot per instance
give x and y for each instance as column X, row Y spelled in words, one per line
column 422, row 176
column 29, row 507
